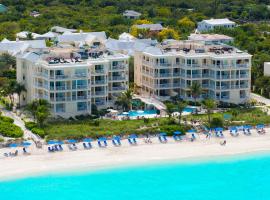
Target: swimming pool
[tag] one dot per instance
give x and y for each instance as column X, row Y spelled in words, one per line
column 139, row 113
column 190, row 109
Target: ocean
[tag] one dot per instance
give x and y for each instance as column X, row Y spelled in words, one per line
column 245, row 177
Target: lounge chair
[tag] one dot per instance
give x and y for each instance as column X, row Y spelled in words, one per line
column 85, row 146
column 50, row 149
column 25, row 152
column 234, row 132
column 6, row 154
column 15, row 153
column 90, row 145
column 60, row 147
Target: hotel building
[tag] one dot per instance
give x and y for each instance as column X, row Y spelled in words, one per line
column 170, row 69
column 73, row 79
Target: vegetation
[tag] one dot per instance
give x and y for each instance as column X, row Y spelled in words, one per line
column 40, row 109
column 209, row 105
column 90, row 128
column 196, row 90
column 8, row 129
column 124, row 100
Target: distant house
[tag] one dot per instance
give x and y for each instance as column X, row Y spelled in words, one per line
column 211, row 24
column 213, row 38
column 59, row 29
column 151, row 27
column 34, row 13
column 131, row 14
column 267, row 69
column 3, row 8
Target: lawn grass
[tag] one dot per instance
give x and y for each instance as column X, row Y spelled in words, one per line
column 251, row 116
column 104, row 127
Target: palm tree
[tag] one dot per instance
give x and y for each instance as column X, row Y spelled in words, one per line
column 125, row 99
column 196, row 91
column 181, row 105
column 40, row 109
column 209, row 105
column 19, row 88
column 170, row 108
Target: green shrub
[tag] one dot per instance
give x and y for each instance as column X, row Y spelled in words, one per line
column 30, row 125
column 2, row 140
column 216, row 122
column 10, row 130
column 6, row 119
column 39, row 132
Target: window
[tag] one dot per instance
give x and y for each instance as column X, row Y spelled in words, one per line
column 60, row 107
column 80, row 72
column 81, row 106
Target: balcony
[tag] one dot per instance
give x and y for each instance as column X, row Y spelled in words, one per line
column 82, row 86
column 99, row 93
column 100, row 103
column 41, row 74
column 118, row 88
column 164, row 85
column 60, row 77
column 118, row 78
column 118, row 67
column 82, row 97
column 177, row 74
column 223, row 87
column 244, row 86
column 99, row 71
column 244, row 76
column 176, row 85
column 224, row 98
column 242, row 65
column 196, row 75
column 62, row 87
column 163, row 75
column 80, row 75
column 234, row 86
column 223, row 76
column 62, row 99
column 99, row 82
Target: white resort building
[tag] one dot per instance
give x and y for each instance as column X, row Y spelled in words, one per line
column 211, row 24
column 73, row 79
column 169, row 69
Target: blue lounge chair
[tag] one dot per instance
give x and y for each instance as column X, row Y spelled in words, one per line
column 102, row 142
column 234, row 131
column 162, row 137
column 25, row 151
column 60, row 147
column 176, row 136
column 260, row 129
column 116, row 140
column 85, row 146
column 132, row 139
column 50, row 149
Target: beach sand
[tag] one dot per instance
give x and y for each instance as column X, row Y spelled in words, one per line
column 40, row 161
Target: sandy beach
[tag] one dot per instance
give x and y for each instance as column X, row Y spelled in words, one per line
column 40, row 161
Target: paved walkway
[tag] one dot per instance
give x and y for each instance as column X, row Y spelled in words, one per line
column 260, row 99
column 19, row 122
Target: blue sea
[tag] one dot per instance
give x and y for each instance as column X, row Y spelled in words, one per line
column 246, row 178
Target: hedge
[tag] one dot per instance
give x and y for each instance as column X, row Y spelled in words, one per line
column 30, row 125
column 39, row 132
column 10, row 130
column 6, row 119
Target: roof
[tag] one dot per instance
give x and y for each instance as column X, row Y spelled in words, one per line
column 47, row 35
column 24, row 34
column 59, row 29
column 209, row 37
column 81, row 37
column 3, row 8
column 152, row 27
column 128, row 46
column 15, row 47
column 218, row 21
column 126, row 36
column 131, row 13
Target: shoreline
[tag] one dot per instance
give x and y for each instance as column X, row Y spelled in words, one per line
column 41, row 163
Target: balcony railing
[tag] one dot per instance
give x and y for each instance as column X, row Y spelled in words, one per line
column 244, row 86
column 99, row 93
column 82, row 97
column 164, row 85
column 118, row 67
column 99, row 82
column 80, row 75
column 163, row 75
column 118, row 88
column 82, row 86
column 242, row 65
column 118, row 78
column 99, row 71
column 60, row 77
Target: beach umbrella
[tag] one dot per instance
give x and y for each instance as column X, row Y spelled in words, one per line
column 140, row 111
column 87, row 140
column 72, row 141
column 116, row 137
column 59, row 142
column 177, row 132
column 102, row 139
column 260, row 126
column 163, row 134
column 218, row 129
column 26, row 144
column 232, row 128
column 192, row 131
column 247, row 127
column 51, row 142
column 13, row 145
column 132, row 136
column 125, row 113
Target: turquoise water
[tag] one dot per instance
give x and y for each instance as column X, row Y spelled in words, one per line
column 152, row 112
column 247, row 179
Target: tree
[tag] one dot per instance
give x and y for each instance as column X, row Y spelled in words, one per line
column 142, row 21
column 181, row 105
column 124, row 100
column 195, row 90
column 186, row 25
column 209, row 105
column 40, row 109
column 168, row 33
column 19, row 88
column 170, row 108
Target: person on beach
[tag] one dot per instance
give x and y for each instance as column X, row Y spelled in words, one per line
column 223, row 143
